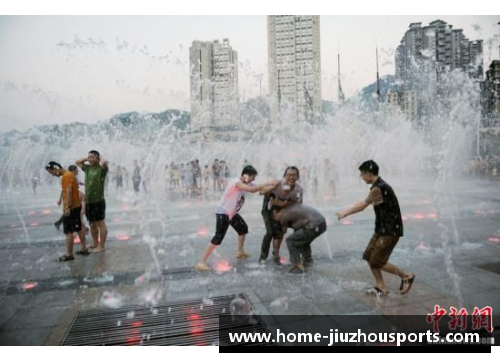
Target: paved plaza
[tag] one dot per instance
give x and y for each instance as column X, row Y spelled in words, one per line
column 451, row 243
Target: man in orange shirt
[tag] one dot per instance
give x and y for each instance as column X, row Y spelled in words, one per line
column 72, row 208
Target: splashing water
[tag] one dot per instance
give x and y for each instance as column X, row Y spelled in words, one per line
column 112, row 300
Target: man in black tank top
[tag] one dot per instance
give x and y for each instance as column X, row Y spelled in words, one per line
column 388, row 229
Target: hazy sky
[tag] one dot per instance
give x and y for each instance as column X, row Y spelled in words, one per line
column 58, row 69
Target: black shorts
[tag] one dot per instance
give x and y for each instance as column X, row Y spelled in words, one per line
column 73, row 222
column 222, row 224
column 96, row 212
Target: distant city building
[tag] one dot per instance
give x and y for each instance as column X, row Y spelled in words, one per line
column 438, row 48
column 406, row 101
column 214, row 87
column 393, row 98
column 294, row 67
column 489, row 132
column 490, row 91
column 427, row 52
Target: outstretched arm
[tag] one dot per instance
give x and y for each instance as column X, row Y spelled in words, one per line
column 360, row 206
column 253, row 189
column 270, row 188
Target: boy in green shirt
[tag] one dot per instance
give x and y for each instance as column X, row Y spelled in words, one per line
column 95, row 171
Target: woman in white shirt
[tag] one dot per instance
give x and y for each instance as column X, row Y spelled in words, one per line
column 227, row 213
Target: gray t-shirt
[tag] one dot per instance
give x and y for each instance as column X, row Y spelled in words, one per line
column 283, row 193
column 299, row 216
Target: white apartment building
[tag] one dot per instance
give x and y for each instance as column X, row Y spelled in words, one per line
column 294, row 67
column 214, row 85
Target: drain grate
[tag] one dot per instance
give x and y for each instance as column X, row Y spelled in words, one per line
column 194, row 322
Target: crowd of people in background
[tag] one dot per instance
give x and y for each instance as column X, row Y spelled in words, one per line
column 193, row 178
column 485, row 167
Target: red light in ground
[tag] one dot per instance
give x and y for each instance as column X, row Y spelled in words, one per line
column 31, row 213
column 283, row 260
column 137, row 324
column 47, row 212
column 418, row 216
column 223, row 267
column 346, row 222
column 133, row 340
column 404, row 218
column 29, row 285
column 494, row 239
column 34, row 224
column 125, row 207
column 123, row 237
column 196, row 330
column 202, row 232
column 77, row 240
column 432, row 216
column 194, row 323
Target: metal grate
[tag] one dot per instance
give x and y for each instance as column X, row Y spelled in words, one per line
column 194, row 322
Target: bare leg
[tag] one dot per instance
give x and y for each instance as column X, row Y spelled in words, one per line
column 83, row 241
column 377, row 273
column 69, row 244
column 95, row 235
column 241, row 244
column 103, row 234
column 208, row 251
column 276, row 247
column 393, row 269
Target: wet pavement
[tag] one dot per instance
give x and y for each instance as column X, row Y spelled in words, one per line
column 451, row 243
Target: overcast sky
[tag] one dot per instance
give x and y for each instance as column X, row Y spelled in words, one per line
column 58, row 69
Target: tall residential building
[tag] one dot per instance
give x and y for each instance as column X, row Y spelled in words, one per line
column 406, row 101
column 490, row 91
column 214, row 86
column 424, row 54
column 434, row 49
column 294, row 67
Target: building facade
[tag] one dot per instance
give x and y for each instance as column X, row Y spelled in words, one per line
column 437, row 48
column 427, row 52
column 294, row 67
column 490, row 91
column 213, row 86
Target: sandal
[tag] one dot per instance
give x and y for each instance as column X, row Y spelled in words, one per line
column 66, row 258
column 377, row 292
column 242, row 255
column 83, row 252
column 202, row 267
column 406, row 282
